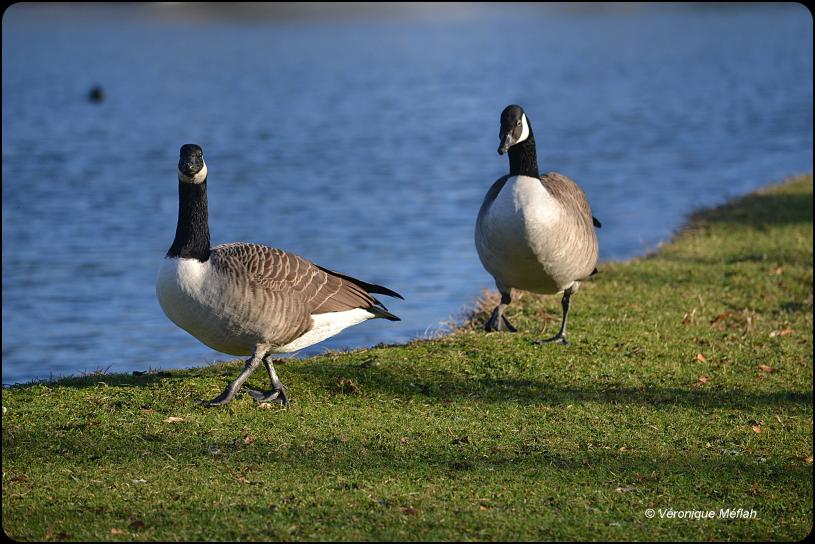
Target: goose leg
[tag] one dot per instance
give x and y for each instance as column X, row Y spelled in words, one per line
column 233, row 388
column 560, row 337
column 497, row 321
column 278, row 392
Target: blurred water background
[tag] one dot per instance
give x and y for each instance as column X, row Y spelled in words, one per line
column 363, row 139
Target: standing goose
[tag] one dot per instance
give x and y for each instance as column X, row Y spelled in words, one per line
column 533, row 232
column 249, row 299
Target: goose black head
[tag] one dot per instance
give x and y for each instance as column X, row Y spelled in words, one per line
column 191, row 165
column 514, row 128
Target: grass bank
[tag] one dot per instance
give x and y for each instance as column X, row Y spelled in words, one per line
column 687, row 386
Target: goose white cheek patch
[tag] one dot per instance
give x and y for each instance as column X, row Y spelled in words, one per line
column 524, row 129
column 196, row 179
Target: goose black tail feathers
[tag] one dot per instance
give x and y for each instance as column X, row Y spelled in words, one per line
column 381, row 312
column 369, row 287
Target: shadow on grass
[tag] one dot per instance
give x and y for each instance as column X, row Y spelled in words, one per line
column 348, row 463
column 400, row 381
column 331, row 481
column 135, row 379
column 443, row 386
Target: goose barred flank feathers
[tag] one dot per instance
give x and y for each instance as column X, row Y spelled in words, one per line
column 320, row 290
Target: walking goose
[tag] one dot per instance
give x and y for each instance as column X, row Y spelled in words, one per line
column 533, row 232
column 249, row 299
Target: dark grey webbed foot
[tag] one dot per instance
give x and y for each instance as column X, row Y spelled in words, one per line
column 224, row 398
column 557, row 339
column 560, row 337
column 235, row 386
column 278, row 391
column 275, row 395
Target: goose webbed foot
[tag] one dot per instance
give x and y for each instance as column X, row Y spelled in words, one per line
column 557, row 339
column 235, row 386
column 224, row 398
column 278, row 391
column 275, row 395
column 560, row 337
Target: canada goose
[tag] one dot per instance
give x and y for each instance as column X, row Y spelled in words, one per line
column 533, row 232
column 249, row 299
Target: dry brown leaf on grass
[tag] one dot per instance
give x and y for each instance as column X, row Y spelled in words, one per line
column 174, row 419
column 784, row 332
column 626, row 489
column 702, row 380
column 116, row 531
column 700, row 358
column 808, row 459
column 721, row 317
column 756, row 429
column 767, row 368
column 654, row 477
column 248, row 439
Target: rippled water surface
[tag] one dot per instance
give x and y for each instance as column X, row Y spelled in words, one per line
column 365, row 145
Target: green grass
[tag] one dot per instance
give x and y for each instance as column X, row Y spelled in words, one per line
column 472, row 436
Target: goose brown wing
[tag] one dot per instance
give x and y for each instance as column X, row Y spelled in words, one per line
column 580, row 225
column 321, row 290
column 570, row 195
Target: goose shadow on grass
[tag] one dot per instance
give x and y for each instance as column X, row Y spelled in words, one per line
column 444, row 386
column 521, row 472
column 355, row 463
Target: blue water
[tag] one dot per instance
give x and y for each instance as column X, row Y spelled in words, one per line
column 364, row 144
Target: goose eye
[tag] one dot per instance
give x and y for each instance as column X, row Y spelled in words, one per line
column 518, row 123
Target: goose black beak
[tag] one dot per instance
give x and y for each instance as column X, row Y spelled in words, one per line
column 506, row 143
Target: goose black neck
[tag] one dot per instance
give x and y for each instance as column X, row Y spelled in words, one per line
column 192, row 232
column 523, row 159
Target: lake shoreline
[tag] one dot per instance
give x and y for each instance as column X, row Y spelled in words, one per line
column 687, row 383
column 473, row 315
